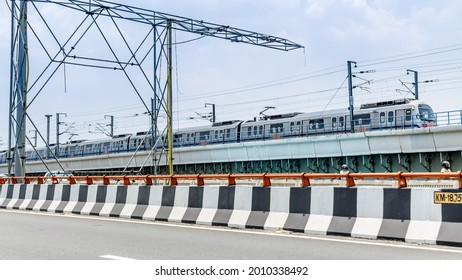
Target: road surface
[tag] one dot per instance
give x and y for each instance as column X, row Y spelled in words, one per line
column 43, row 236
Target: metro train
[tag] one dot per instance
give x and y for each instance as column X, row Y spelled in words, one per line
column 395, row 114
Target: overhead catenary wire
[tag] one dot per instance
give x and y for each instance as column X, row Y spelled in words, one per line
column 282, row 83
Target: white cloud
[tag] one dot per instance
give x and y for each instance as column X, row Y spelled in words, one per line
column 317, row 8
column 380, row 22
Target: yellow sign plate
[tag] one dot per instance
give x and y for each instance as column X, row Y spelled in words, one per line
column 447, row 198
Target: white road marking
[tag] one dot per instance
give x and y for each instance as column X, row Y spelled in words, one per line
column 246, row 231
column 112, row 257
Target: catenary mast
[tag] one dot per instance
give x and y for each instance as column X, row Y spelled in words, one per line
column 162, row 24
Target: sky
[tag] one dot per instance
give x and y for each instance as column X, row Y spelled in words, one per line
column 384, row 37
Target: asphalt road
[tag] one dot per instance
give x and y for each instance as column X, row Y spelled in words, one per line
column 43, row 236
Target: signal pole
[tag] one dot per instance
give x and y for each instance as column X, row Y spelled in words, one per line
column 350, row 95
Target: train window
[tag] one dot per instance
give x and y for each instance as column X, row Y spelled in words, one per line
column 216, row 134
column 426, row 113
column 312, row 124
column 298, row 123
column 276, row 127
column 317, row 124
column 187, row 137
column 362, row 119
column 249, row 132
column 228, row 133
column 390, row 117
column 254, row 130
column 340, row 121
column 382, row 117
column 292, row 124
column 260, row 130
column 408, row 115
column 204, row 136
column 334, row 122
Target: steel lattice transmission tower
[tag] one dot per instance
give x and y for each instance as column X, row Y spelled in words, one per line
column 161, row 25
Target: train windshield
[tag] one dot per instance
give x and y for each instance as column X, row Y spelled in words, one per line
column 426, row 113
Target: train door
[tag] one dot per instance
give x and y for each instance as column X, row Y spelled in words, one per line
column 337, row 124
column 334, row 124
column 400, row 118
column 347, row 126
column 390, row 119
column 408, row 117
column 341, row 124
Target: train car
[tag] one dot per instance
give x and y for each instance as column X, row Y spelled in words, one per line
column 274, row 126
column 141, row 141
column 396, row 114
column 117, row 144
column 217, row 133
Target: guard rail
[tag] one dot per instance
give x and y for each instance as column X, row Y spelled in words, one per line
column 400, row 177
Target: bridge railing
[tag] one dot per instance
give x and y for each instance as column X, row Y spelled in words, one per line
column 266, row 179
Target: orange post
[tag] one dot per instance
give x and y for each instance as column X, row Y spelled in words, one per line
column 89, row 180
column 106, row 181
column 402, row 183
column 126, row 181
column 305, row 181
column 40, row 180
column 200, row 180
column 173, row 181
column 350, row 182
column 231, row 180
column 72, row 180
column 148, row 180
